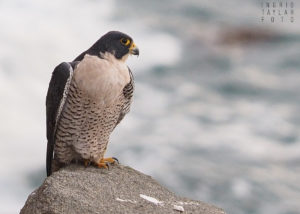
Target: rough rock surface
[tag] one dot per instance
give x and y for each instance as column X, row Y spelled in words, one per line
column 76, row 189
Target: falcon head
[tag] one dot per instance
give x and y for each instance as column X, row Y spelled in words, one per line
column 117, row 43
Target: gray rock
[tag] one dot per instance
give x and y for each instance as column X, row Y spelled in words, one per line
column 76, row 189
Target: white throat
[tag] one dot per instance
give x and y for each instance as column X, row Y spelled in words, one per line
column 102, row 79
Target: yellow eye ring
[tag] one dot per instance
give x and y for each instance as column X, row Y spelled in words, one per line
column 125, row 41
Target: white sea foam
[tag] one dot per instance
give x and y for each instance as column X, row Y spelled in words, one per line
column 156, row 49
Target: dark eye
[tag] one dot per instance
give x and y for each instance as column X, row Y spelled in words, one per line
column 125, row 41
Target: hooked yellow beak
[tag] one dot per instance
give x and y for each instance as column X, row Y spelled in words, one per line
column 133, row 49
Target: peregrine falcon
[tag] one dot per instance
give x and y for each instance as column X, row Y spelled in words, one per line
column 87, row 98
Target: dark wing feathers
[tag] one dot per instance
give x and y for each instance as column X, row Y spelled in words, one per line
column 56, row 88
column 128, row 93
column 128, row 89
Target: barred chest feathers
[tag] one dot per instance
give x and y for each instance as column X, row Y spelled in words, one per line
column 101, row 79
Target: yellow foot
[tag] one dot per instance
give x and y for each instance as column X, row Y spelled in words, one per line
column 105, row 162
column 111, row 160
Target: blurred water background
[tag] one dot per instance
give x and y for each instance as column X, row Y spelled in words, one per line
column 216, row 110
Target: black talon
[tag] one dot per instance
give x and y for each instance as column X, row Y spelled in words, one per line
column 116, row 159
